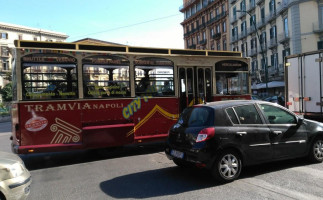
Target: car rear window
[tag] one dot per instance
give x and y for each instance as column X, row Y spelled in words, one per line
column 197, row 116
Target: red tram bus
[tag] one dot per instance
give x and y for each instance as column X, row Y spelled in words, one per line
column 79, row 96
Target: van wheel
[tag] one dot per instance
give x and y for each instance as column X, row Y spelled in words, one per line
column 227, row 167
column 316, row 151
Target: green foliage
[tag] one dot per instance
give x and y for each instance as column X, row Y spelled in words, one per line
column 6, row 92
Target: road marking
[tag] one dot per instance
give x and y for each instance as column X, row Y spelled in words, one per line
column 282, row 192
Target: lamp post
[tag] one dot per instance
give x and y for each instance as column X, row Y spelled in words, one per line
column 262, row 51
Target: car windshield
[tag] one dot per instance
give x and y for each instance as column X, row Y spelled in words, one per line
column 197, row 116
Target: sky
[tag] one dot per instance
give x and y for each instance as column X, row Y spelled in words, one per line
column 148, row 23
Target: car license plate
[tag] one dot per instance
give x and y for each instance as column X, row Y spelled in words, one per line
column 177, row 154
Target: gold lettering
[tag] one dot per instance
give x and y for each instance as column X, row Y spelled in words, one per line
column 50, row 107
column 86, row 106
column 61, row 107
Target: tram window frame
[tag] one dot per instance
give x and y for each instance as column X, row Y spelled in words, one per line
column 154, row 85
column 106, row 88
column 49, row 81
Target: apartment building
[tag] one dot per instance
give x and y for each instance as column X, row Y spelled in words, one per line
column 11, row 32
column 206, row 24
column 269, row 30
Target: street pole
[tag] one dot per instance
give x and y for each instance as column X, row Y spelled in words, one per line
column 262, row 50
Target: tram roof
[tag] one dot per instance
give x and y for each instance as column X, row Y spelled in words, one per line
column 121, row 48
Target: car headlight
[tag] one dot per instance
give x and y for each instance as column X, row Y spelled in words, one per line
column 11, row 171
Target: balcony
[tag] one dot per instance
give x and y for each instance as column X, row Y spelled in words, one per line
column 251, row 30
column 271, row 16
column 252, row 52
column 243, row 34
column 283, row 6
column 258, row 2
column 261, row 23
column 193, row 46
column 202, row 26
column 216, row 36
column 233, row 19
column 272, row 43
column 263, row 48
column 203, row 42
column 283, row 38
column 232, row 1
column 188, row 3
column 317, row 27
column 252, row 5
column 242, row 14
column 234, row 38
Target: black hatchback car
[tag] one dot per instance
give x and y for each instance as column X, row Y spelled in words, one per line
column 225, row 136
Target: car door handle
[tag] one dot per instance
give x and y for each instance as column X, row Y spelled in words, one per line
column 241, row 133
column 277, row 132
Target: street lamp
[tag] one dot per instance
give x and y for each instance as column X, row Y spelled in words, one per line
column 262, row 51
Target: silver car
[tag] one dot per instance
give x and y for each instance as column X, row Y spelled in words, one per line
column 15, row 179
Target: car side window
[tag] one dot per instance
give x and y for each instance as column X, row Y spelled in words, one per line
column 277, row 115
column 248, row 114
column 232, row 115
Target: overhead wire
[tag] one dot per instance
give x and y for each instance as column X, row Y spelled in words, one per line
column 127, row 26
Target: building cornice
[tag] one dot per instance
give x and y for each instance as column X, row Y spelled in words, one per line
column 25, row 29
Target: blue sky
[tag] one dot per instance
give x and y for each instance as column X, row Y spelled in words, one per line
column 150, row 23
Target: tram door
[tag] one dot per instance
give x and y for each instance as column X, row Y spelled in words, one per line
column 195, row 86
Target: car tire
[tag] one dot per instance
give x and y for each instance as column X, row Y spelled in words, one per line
column 227, row 166
column 182, row 163
column 316, row 152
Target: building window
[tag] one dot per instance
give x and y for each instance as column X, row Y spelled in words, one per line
column 35, row 39
column 204, row 35
column 212, row 32
column 211, row 15
column 272, row 6
column 234, row 13
column 3, row 35
column 223, row 8
column 224, row 45
column 286, row 27
column 224, row 27
column 19, row 37
column 212, row 47
column 274, row 60
column 218, row 47
column 218, row 28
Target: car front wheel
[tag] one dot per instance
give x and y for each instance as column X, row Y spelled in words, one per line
column 227, row 166
column 316, row 152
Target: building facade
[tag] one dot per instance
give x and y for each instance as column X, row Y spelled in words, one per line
column 269, row 30
column 206, row 24
column 9, row 33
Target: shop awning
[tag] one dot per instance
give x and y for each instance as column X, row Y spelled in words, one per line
column 272, row 84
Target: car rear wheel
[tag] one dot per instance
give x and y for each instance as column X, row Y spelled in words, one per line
column 316, row 152
column 227, row 166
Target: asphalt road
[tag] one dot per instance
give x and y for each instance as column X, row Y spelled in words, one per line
column 145, row 173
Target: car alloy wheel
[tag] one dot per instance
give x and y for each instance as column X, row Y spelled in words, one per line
column 227, row 167
column 318, row 150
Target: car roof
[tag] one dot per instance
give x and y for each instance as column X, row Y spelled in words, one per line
column 231, row 103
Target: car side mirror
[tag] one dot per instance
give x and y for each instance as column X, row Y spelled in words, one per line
column 300, row 120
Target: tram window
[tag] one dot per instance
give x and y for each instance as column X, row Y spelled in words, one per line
column 152, row 80
column 231, row 83
column 105, row 81
column 49, row 81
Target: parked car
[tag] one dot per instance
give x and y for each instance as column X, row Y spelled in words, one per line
column 225, row 136
column 276, row 99
column 15, row 179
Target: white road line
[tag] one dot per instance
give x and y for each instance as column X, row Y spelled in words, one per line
column 284, row 193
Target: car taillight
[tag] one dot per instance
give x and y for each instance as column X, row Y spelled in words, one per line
column 205, row 134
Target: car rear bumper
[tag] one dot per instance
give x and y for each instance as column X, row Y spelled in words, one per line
column 199, row 157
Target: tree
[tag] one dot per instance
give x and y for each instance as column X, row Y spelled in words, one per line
column 6, row 92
